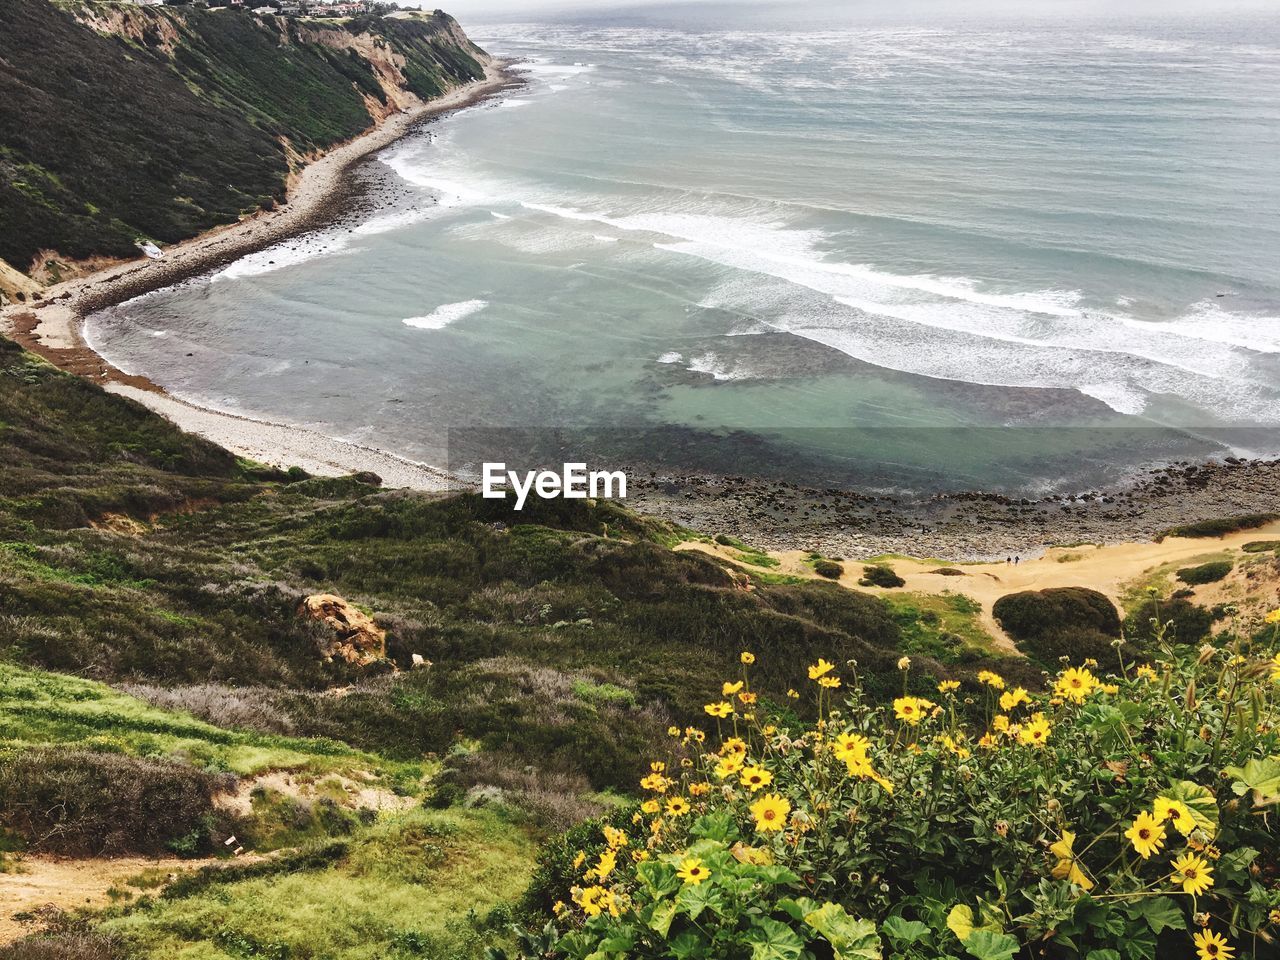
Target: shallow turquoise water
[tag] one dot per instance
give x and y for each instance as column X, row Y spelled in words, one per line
column 1010, row 254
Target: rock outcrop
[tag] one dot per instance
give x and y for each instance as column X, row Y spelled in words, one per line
column 353, row 636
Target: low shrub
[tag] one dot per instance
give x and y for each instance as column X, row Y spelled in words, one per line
column 1261, row 546
column 1219, row 527
column 1176, row 620
column 828, row 568
column 65, row 946
column 1210, row 572
column 880, row 575
column 77, row 802
column 1032, row 614
column 895, row 830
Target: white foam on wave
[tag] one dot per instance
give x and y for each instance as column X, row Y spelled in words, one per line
column 671, row 356
column 446, row 314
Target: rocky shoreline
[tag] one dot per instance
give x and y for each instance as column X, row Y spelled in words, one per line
column 963, row 525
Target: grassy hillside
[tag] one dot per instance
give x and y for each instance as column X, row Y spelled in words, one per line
column 174, row 120
column 160, row 691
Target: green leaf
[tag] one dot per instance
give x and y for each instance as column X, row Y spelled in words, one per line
column 658, row 878
column 960, row 921
column 1160, row 913
column 1103, row 955
column 797, row 907
column 904, row 932
column 771, row 874
column 850, row 939
column 1261, row 776
column 721, row 826
column 1200, row 801
column 771, row 940
column 986, row 945
column 663, row 914
column 694, row 899
column 688, row 945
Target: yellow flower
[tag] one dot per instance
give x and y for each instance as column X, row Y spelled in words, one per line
column 904, row 663
column 1275, row 668
column 1146, row 834
column 1075, row 684
column 949, row 686
column 1067, row 866
column 673, row 731
column 677, row 807
column 993, row 680
column 755, row 778
column 596, row 900
column 987, row 742
column 1273, row 617
column 771, row 812
column 747, row 658
column 580, row 859
column 699, row 789
column 721, row 709
column 850, row 745
column 910, row 709
column 692, row 871
column 1036, row 732
column 1146, row 672
column 830, row 682
column 747, row 698
column 729, row 689
column 1212, row 946
column 821, row 668
column 793, row 693
column 1000, row 723
column 733, row 745
column 655, row 782
column 952, row 745
column 729, row 765
column 614, row 837
column 1195, row 875
column 1011, row 698
column 651, row 806
column 608, row 860
column 1176, row 810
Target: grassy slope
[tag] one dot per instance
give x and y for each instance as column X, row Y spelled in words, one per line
column 418, row 884
column 564, row 640
column 104, row 139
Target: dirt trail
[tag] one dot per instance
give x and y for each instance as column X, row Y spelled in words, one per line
column 70, row 884
column 1107, row 569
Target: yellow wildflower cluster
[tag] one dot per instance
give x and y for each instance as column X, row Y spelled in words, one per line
column 787, row 789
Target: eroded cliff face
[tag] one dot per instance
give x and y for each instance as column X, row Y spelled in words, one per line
column 120, row 122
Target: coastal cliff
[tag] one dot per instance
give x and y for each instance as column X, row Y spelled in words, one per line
column 121, row 123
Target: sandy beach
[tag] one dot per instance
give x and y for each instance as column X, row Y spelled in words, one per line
column 318, row 194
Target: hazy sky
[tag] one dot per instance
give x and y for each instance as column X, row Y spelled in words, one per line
column 731, row 10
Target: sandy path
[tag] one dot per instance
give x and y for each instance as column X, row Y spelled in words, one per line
column 77, row 884
column 1107, row 569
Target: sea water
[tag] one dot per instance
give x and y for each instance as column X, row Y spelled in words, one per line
column 1010, row 254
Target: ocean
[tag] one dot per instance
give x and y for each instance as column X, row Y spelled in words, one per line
column 1017, row 255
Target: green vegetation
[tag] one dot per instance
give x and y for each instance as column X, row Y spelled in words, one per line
column 105, row 139
column 828, row 568
column 1074, row 622
column 1090, row 821
column 945, row 626
column 1210, row 572
column 1261, row 546
column 418, row 884
column 1220, row 527
column 880, row 575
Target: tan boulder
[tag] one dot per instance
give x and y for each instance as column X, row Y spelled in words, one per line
column 355, row 638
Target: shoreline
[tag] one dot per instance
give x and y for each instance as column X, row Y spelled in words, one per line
column 318, row 195
column 776, row 515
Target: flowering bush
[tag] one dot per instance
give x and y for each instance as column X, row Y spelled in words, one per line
column 1113, row 817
